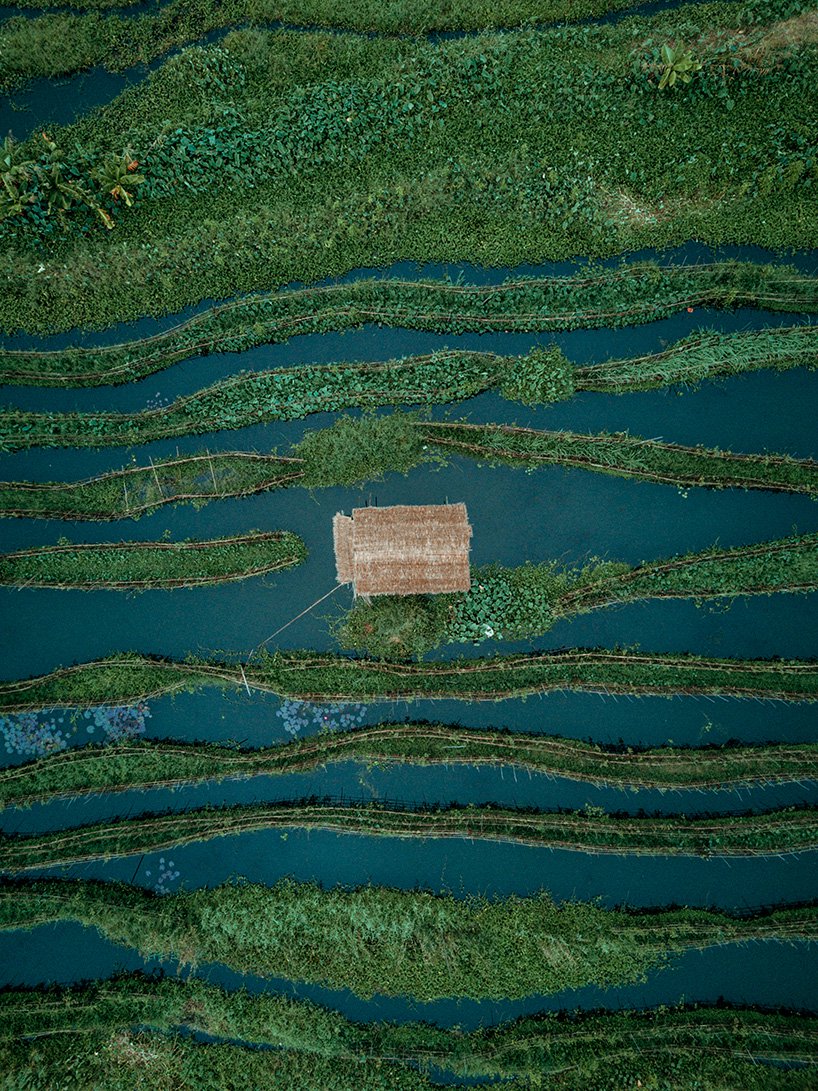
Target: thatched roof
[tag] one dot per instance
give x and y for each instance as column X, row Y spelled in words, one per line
column 407, row 549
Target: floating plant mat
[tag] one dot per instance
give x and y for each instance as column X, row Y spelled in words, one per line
column 126, row 678
column 124, row 566
column 768, row 833
column 376, row 940
column 152, row 763
column 712, row 1048
column 357, row 450
column 519, row 603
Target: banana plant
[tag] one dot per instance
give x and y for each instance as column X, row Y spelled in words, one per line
column 678, row 64
column 117, row 176
column 59, row 193
column 15, row 175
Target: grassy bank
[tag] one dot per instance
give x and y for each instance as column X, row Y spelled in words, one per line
column 771, row 833
column 375, row 940
column 87, row 1030
column 124, row 679
column 355, row 450
column 632, row 294
column 281, row 157
column 524, row 602
column 152, row 763
column 137, row 566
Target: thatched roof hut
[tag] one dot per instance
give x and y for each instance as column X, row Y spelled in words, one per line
column 420, row 549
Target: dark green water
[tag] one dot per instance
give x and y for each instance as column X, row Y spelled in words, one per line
column 554, row 513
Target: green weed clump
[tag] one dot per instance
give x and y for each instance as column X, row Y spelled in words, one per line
column 128, row 677
column 129, row 566
column 542, row 377
column 518, row 603
column 87, row 1030
column 375, row 940
column 300, row 156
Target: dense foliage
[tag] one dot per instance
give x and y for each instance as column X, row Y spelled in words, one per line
column 374, row 940
column 279, row 156
column 518, row 603
column 711, row 1049
column 126, row 566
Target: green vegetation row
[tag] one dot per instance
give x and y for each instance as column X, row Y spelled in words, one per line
column 82, row 1036
column 769, row 833
column 637, row 293
column 277, row 157
column 377, row 940
column 148, row 763
column 518, row 603
column 128, row 566
column 129, row 677
column 542, row 377
column 62, row 43
column 356, row 450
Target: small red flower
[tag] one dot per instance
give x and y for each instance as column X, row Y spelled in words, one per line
column 690, row 310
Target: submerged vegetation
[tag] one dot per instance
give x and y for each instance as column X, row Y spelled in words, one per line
column 127, row 678
column 152, row 763
column 636, row 293
column 592, row 830
column 281, row 156
column 127, row 566
column 355, row 450
column 518, row 603
column 375, row 940
column 87, row 1030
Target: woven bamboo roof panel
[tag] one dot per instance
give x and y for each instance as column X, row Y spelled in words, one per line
column 420, row 549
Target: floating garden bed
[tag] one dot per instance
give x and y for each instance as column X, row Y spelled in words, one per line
column 519, row 603
column 310, row 676
column 593, row 831
column 137, row 566
column 376, row 940
column 163, row 763
column 89, row 1029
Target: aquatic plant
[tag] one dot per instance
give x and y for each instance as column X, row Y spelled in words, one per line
column 32, row 734
column 299, row 715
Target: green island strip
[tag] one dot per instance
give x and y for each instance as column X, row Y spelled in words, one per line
column 90, row 1031
column 273, row 158
column 788, row 830
column 62, row 43
column 524, row 602
column 137, row 566
column 165, row 763
column 126, row 678
column 355, row 450
column 375, row 940
column 631, row 294
column 542, row 377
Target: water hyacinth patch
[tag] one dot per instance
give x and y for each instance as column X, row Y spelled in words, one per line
column 298, row 715
column 35, row 734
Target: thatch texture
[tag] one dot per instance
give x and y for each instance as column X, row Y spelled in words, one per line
column 404, row 550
